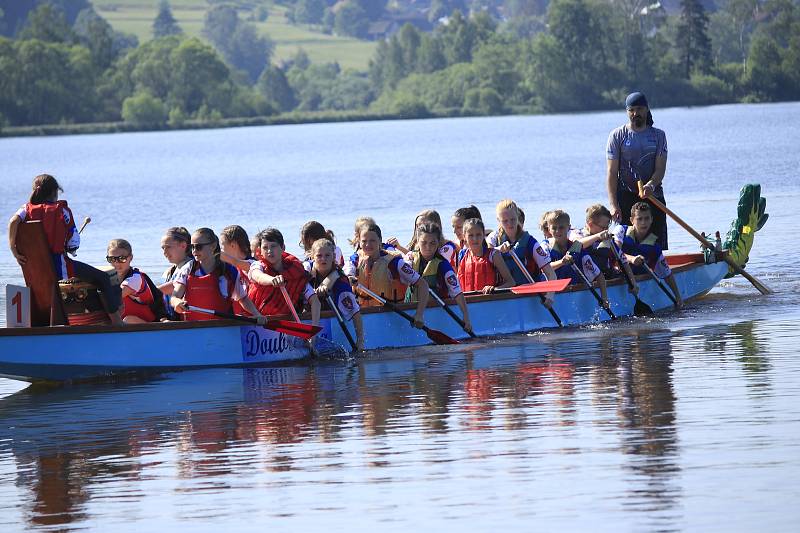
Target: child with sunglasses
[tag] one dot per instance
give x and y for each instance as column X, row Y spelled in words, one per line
column 142, row 301
column 62, row 237
column 207, row 282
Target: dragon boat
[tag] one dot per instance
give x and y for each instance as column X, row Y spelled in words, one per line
column 83, row 352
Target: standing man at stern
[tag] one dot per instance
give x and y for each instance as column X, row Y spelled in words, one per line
column 637, row 151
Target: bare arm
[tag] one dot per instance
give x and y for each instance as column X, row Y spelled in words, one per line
column 315, row 309
column 462, row 304
column 13, row 225
column 611, row 185
column 505, row 273
column 176, row 300
column 658, row 174
column 262, row 278
column 423, row 295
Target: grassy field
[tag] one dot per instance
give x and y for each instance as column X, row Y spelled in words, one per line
column 136, row 16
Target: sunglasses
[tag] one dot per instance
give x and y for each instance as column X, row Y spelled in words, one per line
column 117, row 258
column 199, row 246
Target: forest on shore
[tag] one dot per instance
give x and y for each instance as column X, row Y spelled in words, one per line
column 64, row 68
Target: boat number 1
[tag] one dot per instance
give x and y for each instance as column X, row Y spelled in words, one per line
column 18, row 306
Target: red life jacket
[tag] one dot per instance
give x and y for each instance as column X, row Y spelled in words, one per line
column 140, row 304
column 268, row 299
column 52, row 217
column 475, row 273
column 203, row 291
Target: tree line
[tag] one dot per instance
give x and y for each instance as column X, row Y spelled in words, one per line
column 64, row 66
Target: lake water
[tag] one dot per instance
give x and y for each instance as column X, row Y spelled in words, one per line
column 686, row 421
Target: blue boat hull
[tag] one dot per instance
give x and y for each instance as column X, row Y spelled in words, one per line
column 78, row 353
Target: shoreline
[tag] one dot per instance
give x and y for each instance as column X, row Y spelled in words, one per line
column 89, row 128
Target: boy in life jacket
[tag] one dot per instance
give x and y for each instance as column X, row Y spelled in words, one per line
column 328, row 279
column 62, row 237
column 142, row 301
column 387, row 274
column 436, row 270
column 565, row 253
column 482, row 268
column 207, row 282
column 447, row 249
column 640, row 246
column 280, row 269
column 235, row 246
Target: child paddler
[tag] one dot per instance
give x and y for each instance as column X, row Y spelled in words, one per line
column 351, row 263
column 436, row 270
column 62, row 237
column 277, row 269
column 460, row 216
column 235, row 246
column 327, row 278
column 310, row 233
column 595, row 238
column 207, row 282
column 641, row 246
column 175, row 245
column 481, row 268
column 563, row 255
column 386, row 274
column 511, row 236
column 448, row 249
column 142, row 301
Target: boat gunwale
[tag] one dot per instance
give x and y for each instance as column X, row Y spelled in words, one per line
column 226, row 323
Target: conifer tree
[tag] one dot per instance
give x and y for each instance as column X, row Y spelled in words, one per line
column 692, row 41
column 164, row 23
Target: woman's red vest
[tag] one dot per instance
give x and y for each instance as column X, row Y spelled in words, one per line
column 268, row 299
column 140, row 304
column 52, row 217
column 203, row 291
column 475, row 273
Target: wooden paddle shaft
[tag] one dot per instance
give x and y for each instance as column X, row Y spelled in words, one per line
column 289, row 304
column 736, row 268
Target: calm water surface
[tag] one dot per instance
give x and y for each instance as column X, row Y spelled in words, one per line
column 686, row 421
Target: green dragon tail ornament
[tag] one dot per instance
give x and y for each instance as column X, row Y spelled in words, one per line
column 750, row 218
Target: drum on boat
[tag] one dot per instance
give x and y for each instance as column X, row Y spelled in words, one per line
column 82, row 302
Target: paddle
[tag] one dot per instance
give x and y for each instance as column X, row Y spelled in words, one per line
column 324, row 347
column 659, row 282
column 530, row 280
column 736, row 268
column 451, row 313
column 585, row 280
column 296, row 329
column 342, row 325
column 639, row 308
column 436, row 336
column 539, row 287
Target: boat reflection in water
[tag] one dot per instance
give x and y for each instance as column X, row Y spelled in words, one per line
column 607, row 394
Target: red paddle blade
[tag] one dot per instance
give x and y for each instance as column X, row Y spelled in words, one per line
column 296, row 329
column 440, row 338
column 555, row 285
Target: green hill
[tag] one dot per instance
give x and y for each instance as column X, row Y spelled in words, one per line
column 136, row 16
